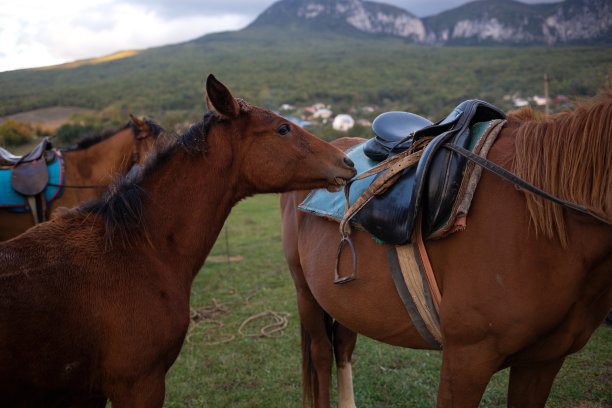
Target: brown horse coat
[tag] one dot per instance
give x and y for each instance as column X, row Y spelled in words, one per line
column 95, row 303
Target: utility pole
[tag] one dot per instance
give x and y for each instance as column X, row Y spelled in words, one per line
column 546, row 111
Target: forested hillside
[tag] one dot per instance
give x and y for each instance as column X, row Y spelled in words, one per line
column 271, row 66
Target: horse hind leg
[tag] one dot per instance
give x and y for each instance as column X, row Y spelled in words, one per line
column 344, row 343
column 317, row 352
column 530, row 385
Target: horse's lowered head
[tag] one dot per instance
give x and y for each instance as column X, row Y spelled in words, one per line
column 274, row 154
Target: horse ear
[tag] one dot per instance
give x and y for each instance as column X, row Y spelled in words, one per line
column 219, row 98
column 140, row 124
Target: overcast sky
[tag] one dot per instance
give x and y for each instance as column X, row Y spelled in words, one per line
column 47, row 32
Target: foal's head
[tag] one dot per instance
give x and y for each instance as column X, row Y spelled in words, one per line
column 146, row 134
column 275, row 155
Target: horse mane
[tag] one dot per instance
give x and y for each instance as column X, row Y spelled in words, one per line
column 93, row 138
column 121, row 208
column 97, row 136
column 517, row 117
column 567, row 154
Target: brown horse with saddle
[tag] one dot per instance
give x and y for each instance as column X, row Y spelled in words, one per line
column 84, row 172
column 518, row 280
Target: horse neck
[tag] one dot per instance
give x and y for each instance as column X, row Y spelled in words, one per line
column 100, row 162
column 187, row 202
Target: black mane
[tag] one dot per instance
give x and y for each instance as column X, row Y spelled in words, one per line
column 95, row 137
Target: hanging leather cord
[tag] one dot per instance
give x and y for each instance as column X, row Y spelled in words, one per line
column 511, row 177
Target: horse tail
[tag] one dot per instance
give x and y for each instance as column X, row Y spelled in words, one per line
column 310, row 379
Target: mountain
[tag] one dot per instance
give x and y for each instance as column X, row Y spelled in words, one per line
column 345, row 53
column 364, row 16
column 515, row 23
column 481, row 22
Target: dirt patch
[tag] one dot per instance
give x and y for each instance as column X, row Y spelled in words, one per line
column 47, row 118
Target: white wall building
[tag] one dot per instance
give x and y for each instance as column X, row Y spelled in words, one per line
column 343, row 122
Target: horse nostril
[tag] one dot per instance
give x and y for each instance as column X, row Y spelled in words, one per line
column 348, row 162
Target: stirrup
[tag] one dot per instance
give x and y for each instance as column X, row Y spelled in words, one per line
column 353, row 275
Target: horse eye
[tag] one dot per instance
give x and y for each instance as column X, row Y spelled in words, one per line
column 284, row 129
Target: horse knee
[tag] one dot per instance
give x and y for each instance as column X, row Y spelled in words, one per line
column 344, row 343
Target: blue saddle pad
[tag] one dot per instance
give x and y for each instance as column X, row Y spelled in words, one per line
column 13, row 201
column 332, row 205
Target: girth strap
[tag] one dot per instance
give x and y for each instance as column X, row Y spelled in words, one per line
column 37, row 206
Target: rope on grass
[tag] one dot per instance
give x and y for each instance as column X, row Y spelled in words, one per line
column 208, row 316
column 280, row 322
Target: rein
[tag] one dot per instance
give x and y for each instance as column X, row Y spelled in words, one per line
column 78, row 186
column 511, row 177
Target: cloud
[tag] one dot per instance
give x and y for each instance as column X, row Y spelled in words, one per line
column 183, row 8
column 38, row 32
column 46, row 33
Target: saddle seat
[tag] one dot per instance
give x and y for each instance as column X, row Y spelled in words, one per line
column 393, row 130
column 29, row 175
column 9, row 159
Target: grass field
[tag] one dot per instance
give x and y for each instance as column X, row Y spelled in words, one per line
column 223, row 365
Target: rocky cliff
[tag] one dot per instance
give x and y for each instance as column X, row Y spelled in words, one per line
column 481, row 22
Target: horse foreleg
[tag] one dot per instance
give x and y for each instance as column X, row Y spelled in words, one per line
column 344, row 344
column 466, row 371
column 530, row 384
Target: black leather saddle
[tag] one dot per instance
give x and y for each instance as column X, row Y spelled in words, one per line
column 393, row 132
column 432, row 184
column 29, row 174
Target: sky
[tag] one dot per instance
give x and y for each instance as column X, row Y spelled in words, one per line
column 36, row 33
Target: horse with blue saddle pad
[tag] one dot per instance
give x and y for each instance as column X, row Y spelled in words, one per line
column 35, row 185
column 24, row 179
column 521, row 257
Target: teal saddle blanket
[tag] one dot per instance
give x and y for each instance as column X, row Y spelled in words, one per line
column 13, row 201
column 333, row 204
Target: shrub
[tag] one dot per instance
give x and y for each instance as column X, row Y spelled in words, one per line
column 14, row 133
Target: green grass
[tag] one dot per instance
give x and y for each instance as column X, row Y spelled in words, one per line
column 250, row 371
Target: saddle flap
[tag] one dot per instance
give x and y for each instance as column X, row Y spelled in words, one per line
column 440, row 171
column 30, row 178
